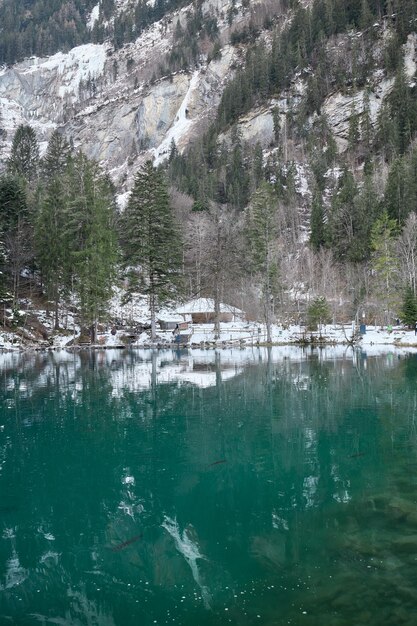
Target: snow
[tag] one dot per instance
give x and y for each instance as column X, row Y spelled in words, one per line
column 190, row 551
column 410, row 55
column 137, row 310
column 206, row 305
column 122, row 200
column 197, row 367
column 79, row 64
column 12, row 114
column 301, row 181
column 181, row 124
column 94, row 15
column 232, row 334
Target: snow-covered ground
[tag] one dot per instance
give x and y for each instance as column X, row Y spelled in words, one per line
column 238, row 334
column 253, row 333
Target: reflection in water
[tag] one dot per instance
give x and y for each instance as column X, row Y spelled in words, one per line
column 189, row 550
column 288, row 475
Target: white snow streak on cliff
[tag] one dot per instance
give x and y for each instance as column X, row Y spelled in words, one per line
column 94, row 15
column 179, row 127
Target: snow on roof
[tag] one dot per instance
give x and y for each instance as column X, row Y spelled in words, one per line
column 206, row 305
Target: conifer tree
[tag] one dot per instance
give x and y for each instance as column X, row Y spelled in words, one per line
column 384, row 260
column 386, row 138
column 89, row 239
column 24, row 157
column 403, row 109
column 409, row 307
column 365, row 211
column 15, row 227
column 396, row 190
column 51, row 251
column 151, row 240
column 261, row 233
column 318, row 313
column 56, row 157
column 366, row 18
column 342, row 223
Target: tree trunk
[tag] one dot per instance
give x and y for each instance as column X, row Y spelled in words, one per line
column 217, row 311
column 153, row 323
column 56, row 313
column 93, row 332
column 268, row 301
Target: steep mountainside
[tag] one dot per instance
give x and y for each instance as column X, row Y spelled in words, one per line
column 113, row 104
column 118, row 108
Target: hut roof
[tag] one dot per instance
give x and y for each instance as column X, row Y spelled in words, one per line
column 206, row 305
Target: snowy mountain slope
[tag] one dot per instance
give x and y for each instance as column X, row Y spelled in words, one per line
column 117, row 108
column 108, row 101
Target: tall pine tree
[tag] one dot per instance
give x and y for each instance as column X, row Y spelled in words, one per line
column 89, row 239
column 24, row 156
column 261, row 233
column 151, row 240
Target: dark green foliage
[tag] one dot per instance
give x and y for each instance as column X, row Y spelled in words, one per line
column 392, row 54
column 75, row 236
column 397, row 120
column 342, row 224
column 24, row 157
column 56, row 157
column 409, row 307
column 13, row 202
column 302, row 44
column 384, row 259
column 318, row 313
column 151, row 239
column 365, row 211
column 225, row 173
column 90, row 246
column 198, row 27
column 41, row 27
column 61, row 223
column 52, row 253
column 209, row 168
column 395, row 191
column 400, row 196
column 16, row 230
column 262, row 230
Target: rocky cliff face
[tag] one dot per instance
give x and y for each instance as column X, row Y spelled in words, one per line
column 107, row 102
column 112, row 106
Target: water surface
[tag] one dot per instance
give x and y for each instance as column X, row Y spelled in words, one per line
column 208, row 488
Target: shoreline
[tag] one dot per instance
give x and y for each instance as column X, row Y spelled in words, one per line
column 232, row 336
column 357, row 346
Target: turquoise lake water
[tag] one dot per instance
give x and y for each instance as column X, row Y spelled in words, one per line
column 208, row 488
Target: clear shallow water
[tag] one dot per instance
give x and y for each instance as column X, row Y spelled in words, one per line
column 207, row 489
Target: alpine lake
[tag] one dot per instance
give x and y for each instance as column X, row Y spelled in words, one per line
column 207, row 488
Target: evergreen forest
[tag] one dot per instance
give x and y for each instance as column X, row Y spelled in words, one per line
column 226, row 218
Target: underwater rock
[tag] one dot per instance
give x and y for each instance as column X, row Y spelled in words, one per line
column 407, row 543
